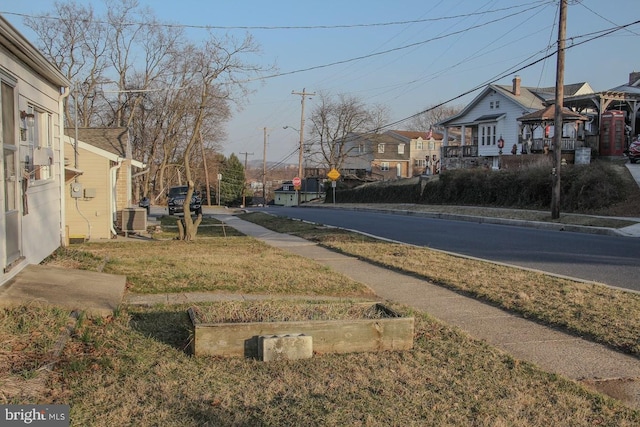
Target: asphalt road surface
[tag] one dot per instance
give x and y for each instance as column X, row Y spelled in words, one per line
column 611, row 260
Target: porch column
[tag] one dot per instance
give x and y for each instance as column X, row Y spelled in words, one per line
column 463, row 136
column 635, row 108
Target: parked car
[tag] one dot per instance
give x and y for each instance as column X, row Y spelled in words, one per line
column 176, row 199
column 633, row 152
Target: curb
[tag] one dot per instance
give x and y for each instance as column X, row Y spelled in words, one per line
column 499, row 221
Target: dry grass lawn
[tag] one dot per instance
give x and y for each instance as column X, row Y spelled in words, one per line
column 603, row 314
column 135, row 369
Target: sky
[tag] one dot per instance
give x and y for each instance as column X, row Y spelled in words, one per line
column 406, row 55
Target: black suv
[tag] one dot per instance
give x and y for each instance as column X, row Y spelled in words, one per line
column 175, row 202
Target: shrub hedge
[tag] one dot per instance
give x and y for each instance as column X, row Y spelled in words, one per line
column 583, row 188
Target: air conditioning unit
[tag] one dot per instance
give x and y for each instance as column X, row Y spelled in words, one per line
column 132, row 220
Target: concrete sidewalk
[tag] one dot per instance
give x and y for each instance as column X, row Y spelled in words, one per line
column 597, row 366
column 96, row 294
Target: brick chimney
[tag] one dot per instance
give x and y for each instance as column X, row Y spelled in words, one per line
column 634, row 78
column 516, row 86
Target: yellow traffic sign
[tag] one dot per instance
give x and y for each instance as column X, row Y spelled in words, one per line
column 333, row 174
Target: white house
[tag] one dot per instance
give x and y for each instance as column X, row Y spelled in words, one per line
column 493, row 118
column 32, row 172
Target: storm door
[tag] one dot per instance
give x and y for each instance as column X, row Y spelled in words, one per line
column 10, row 181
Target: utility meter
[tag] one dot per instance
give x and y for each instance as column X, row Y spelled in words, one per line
column 76, row 190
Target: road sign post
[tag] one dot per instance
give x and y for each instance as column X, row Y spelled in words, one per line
column 297, row 184
column 333, row 175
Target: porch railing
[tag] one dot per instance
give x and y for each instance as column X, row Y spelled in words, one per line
column 460, row 151
column 566, row 144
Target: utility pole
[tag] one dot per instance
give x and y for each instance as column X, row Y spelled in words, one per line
column 244, row 186
column 557, row 127
column 264, row 169
column 303, row 94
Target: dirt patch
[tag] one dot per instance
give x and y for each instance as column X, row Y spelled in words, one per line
column 626, row 390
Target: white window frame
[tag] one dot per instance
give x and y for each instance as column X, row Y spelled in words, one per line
column 384, row 166
column 38, row 136
column 381, row 148
column 419, row 144
column 400, row 148
column 487, row 134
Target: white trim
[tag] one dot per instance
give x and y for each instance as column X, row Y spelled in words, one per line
column 100, row 152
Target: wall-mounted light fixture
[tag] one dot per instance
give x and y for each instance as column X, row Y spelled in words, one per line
column 28, row 122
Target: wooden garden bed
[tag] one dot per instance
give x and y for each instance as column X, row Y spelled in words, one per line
column 234, row 328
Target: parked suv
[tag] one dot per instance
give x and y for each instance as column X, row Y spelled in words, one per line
column 175, row 200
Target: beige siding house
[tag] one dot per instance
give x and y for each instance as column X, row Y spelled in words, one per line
column 100, row 185
column 32, row 93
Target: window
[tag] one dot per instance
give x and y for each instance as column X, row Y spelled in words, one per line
column 419, row 144
column 400, row 148
column 384, row 166
column 36, row 152
column 488, row 135
column 380, row 148
column 497, row 104
column 432, row 145
column 491, row 105
column 420, row 163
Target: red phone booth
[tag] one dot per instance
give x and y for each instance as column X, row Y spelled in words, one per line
column 612, row 133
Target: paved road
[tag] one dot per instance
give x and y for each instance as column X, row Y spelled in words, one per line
column 612, row 260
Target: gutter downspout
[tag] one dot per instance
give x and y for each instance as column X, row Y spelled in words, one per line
column 63, row 212
column 112, row 195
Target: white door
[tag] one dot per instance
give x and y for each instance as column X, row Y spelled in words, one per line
column 11, row 179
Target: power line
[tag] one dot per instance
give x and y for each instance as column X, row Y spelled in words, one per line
column 290, row 27
column 507, row 72
column 384, row 52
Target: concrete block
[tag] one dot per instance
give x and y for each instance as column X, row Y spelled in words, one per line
column 285, row 347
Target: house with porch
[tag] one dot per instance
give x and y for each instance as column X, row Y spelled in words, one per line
column 424, row 150
column 492, row 118
column 32, row 92
column 391, row 155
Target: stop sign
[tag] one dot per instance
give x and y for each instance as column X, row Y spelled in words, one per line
column 297, row 182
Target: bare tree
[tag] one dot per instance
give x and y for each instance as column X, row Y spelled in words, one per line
column 217, row 70
column 334, row 120
column 432, row 115
column 76, row 42
column 170, row 93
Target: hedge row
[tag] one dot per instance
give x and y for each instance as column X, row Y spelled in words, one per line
column 583, row 188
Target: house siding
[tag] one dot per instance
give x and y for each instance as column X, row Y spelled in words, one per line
column 89, row 217
column 40, row 212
